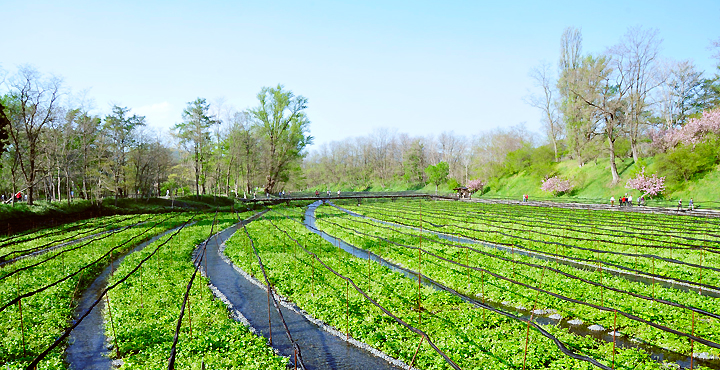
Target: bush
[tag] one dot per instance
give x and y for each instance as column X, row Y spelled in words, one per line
column 687, row 161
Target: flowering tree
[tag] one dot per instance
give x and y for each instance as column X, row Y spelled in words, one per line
column 556, row 185
column 692, row 133
column 475, row 185
column 648, row 185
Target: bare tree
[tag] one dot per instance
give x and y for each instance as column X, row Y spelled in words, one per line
column 679, row 86
column 576, row 125
column 605, row 102
column 634, row 59
column 547, row 104
column 36, row 104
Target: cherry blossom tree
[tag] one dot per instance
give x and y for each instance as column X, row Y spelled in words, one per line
column 648, row 185
column 556, row 185
column 475, row 185
column 692, row 133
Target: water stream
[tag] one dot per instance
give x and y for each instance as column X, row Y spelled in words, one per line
column 248, row 300
column 87, row 345
column 648, row 280
column 540, row 317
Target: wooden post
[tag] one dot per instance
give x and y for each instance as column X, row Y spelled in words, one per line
column 412, row 363
column 142, row 289
column 692, row 342
column 652, row 260
column 467, row 252
column 614, row 336
column 312, row 286
column 112, row 324
column 527, row 337
column 22, row 325
column 702, row 258
column 482, row 289
column 419, row 268
column 347, row 309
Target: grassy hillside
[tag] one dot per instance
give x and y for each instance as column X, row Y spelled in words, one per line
column 593, row 182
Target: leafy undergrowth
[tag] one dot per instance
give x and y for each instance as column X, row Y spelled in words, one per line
column 466, row 281
column 145, row 311
column 473, row 338
column 45, row 315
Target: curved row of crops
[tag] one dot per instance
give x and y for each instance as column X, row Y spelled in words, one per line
column 38, row 295
column 499, row 286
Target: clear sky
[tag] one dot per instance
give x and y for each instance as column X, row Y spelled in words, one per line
column 421, row 67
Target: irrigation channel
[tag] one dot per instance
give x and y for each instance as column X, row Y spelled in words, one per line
column 635, row 277
column 583, row 329
column 75, row 239
column 322, row 347
column 87, row 347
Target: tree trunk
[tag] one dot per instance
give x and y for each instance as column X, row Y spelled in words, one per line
column 67, row 185
column 613, row 166
column 634, row 146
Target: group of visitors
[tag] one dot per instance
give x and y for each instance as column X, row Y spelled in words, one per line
column 317, row 193
column 691, row 205
column 525, row 198
column 627, row 201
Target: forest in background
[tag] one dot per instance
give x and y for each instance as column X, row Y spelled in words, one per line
column 625, row 104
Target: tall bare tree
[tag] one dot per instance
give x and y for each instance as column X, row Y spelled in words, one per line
column 605, row 100
column 576, row 125
column 35, row 101
column 634, row 59
column 547, row 103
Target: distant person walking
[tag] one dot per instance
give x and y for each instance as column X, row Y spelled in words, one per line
column 630, row 200
column 317, row 193
column 679, row 205
column 338, row 193
column 612, row 201
column 691, row 205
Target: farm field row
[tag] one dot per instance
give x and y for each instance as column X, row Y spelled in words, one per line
column 501, row 286
column 39, row 294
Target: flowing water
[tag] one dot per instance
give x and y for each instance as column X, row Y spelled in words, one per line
column 320, row 349
column 87, row 348
column 583, row 329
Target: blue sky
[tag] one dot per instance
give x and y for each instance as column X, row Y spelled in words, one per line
column 421, row 67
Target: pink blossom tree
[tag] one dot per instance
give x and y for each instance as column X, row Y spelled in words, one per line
column 648, row 185
column 556, row 185
column 693, row 132
column 475, row 185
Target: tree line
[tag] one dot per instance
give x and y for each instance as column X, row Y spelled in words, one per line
column 625, row 102
column 616, row 104
column 53, row 149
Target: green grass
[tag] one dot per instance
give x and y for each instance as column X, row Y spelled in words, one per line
column 593, row 183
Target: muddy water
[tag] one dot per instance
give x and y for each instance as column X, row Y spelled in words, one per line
column 583, row 329
column 87, row 348
column 320, row 349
